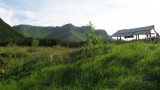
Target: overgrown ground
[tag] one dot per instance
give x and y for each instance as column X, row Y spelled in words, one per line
column 132, row 66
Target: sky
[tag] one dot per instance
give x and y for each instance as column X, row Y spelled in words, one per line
column 111, row 15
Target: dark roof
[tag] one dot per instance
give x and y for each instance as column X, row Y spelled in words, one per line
column 133, row 31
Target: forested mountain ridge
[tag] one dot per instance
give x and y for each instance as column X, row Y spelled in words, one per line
column 67, row 32
column 7, row 33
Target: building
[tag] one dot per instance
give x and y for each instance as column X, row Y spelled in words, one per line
column 130, row 33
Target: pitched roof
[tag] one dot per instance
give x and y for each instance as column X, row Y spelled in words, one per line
column 133, row 31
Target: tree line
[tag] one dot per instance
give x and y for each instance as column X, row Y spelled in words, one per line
column 46, row 42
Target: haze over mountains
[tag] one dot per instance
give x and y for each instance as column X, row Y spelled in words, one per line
column 66, row 32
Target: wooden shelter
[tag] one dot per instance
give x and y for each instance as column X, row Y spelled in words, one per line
column 130, row 33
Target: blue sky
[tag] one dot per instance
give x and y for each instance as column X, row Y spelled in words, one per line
column 110, row 15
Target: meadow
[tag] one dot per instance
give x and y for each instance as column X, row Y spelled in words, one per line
column 130, row 66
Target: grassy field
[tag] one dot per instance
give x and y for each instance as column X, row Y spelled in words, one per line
column 132, row 66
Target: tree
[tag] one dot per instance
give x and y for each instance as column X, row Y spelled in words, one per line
column 92, row 38
column 35, row 43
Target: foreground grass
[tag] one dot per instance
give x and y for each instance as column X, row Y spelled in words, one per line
column 133, row 66
column 19, row 62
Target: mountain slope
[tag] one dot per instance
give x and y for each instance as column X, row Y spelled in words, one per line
column 33, row 31
column 66, row 32
column 104, row 33
column 7, row 33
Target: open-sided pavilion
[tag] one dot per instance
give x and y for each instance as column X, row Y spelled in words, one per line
column 130, row 33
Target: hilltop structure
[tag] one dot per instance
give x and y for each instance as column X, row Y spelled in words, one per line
column 130, row 33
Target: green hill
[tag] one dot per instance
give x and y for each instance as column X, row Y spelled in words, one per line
column 7, row 33
column 33, row 31
column 66, row 32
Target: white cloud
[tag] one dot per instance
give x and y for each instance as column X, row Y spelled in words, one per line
column 111, row 15
column 30, row 14
column 6, row 15
column 106, row 14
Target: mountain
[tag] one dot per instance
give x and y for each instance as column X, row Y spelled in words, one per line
column 104, row 33
column 84, row 30
column 7, row 33
column 66, row 32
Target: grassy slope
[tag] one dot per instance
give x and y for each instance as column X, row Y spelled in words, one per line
column 81, row 36
column 74, row 36
column 133, row 66
column 33, row 31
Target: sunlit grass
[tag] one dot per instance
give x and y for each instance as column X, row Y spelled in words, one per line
column 132, row 66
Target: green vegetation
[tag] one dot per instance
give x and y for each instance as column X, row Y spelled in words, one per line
column 132, row 66
column 18, row 62
column 7, row 33
column 67, row 35
column 96, row 66
column 94, row 40
column 35, row 43
column 66, row 32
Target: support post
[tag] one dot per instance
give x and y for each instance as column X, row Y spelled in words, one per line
column 147, row 36
column 155, row 30
column 150, row 35
column 136, row 37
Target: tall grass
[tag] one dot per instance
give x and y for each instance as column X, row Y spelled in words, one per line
column 133, row 66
